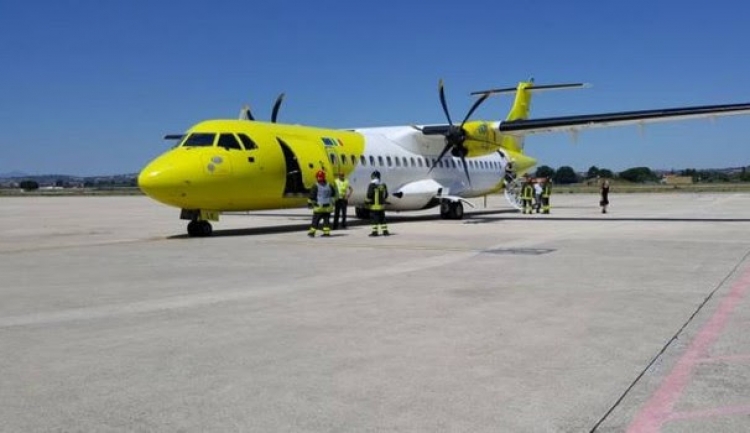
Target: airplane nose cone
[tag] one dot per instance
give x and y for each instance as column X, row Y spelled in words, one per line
column 164, row 181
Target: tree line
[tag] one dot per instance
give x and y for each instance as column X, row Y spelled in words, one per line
column 567, row 175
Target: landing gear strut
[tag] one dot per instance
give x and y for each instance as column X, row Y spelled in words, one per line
column 199, row 228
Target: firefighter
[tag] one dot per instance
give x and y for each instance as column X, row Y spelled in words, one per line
column 377, row 193
column 546, row 192
column 527, row 195
column 322, row 196
column 343, row 192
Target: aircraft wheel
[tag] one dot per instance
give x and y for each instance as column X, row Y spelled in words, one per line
column 199, row 228
column 194, row 228
column 445, row 210
column 206, row 228
column 457, row 210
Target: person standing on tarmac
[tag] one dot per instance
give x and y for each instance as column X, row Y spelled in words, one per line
column 604, row 201
column 322, row 196
column 538, row 195
column 343, row 192
column 546, row 192
column 527, row 195
column 377, row 193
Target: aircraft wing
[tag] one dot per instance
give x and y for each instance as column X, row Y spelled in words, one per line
column 575, row 123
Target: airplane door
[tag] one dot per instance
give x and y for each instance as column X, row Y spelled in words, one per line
column 303, row 158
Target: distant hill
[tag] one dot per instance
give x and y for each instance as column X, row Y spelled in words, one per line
column 12, row 174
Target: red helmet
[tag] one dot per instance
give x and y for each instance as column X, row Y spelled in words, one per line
column 320, row 175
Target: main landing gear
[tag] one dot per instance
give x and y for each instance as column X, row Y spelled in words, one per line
column 199, row 228
column 451, row 210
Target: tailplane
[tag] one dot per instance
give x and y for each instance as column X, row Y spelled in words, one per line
column 522, row 102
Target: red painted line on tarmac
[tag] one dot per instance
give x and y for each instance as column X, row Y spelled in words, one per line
column 659, row 408
column 707, row 413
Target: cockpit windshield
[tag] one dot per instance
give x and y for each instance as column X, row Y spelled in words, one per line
column 199, row 140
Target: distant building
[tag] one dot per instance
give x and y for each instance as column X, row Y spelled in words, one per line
column 671, row 179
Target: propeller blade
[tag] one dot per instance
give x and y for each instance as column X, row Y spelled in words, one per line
column 276, row 106
column 466, row 168
column 443, row 103
column 476, row 105
column 245, row 113
column 442, row 154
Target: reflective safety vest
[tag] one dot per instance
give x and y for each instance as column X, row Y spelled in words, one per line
column 321, row 197
column 376, row 196
column 527, row 191
column 546, row 190
column 343, row 188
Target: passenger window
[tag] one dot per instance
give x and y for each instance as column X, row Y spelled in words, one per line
column 362, row 161
column 398, row 162
column 343, row 159
column 229, row 141
column 388, row 160
column 380, row 161
column 333, row 158
column 372, row 160
column 413, row 164
column 199, row 140
column 247, row 142
column 354, row 160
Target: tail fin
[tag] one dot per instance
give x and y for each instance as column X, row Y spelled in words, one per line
column 522, row 104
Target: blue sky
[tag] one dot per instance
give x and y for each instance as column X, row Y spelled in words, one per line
column 90, row 87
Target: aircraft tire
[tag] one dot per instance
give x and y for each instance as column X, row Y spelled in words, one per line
column 445, row 210
column 193, row 228
column 199, row 229
column 457, row 210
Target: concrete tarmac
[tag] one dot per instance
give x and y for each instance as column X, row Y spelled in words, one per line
column 111, row 319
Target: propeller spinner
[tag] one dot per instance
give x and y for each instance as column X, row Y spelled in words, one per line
column 455, row 135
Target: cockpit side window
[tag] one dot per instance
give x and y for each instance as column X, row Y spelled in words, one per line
column 199, row 139
column 229, row 141
column 247, row 142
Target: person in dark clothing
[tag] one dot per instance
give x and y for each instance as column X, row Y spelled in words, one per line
column 377, row 193
column 604, row 201
column 322, row 196
column 546, row 193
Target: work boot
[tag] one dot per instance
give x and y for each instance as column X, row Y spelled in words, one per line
column 386, row 233
column 311, row 234
column 373, row 234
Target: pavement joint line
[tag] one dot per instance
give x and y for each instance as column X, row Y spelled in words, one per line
column 213, row 298
column 85, row 245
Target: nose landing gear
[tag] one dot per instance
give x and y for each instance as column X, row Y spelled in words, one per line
column 199, row 228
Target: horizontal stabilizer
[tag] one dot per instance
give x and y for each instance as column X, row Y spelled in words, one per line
column 533, row 88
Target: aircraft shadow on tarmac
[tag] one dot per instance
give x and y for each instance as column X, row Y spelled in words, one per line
column 476, row 217
column 392, row 218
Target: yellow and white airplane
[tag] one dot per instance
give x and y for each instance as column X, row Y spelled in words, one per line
column 243, row 164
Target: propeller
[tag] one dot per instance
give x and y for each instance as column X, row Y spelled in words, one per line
column 246, row 114
column 455, row 135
